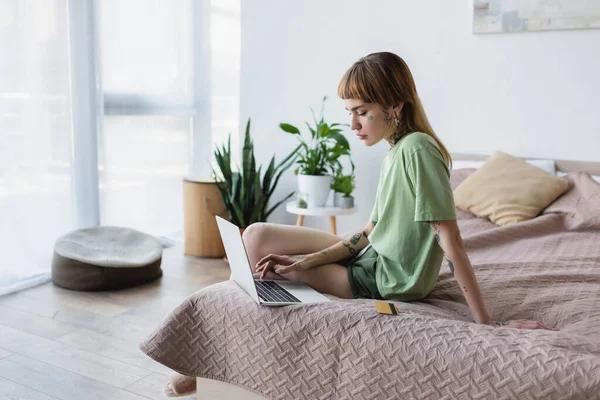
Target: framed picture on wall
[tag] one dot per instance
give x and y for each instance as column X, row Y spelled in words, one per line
column 511, row 16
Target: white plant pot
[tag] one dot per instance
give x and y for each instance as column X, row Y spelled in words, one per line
column 314, row 189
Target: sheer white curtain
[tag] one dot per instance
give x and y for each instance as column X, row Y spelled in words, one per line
column 170, row 77
column 225, row 38
column 170, row 72
column 148, row 83
column 35, row 138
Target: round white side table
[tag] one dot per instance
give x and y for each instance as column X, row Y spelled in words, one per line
column 327, row 211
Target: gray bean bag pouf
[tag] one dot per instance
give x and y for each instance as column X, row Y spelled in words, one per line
column 105, row 257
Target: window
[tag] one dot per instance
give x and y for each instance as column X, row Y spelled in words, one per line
column 170, row 77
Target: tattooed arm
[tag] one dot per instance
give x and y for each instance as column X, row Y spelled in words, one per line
column 447, row 235
column 347, row 248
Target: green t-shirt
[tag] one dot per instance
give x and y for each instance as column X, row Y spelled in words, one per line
column 414, row 188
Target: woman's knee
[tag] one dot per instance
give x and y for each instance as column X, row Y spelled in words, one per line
column 254, row 238
column 255, row 232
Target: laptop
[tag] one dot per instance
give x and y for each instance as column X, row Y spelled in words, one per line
column 264, row 292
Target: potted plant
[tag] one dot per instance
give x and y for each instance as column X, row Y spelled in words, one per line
column 318, row 157
column 343, row 186
column 244, row 193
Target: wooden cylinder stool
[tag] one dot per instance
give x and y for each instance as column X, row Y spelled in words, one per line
column 201, row 202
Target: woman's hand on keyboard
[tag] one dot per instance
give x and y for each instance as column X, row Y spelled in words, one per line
column 283, row 264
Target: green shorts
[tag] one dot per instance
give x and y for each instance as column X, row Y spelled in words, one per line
column 361, row 274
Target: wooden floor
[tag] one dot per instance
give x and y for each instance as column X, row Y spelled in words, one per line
column 61, row 344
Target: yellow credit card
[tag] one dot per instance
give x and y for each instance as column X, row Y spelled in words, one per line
column 384, row 307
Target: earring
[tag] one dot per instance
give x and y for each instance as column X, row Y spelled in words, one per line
column 397, row 122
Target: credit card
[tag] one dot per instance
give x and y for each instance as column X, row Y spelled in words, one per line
column 384, row 307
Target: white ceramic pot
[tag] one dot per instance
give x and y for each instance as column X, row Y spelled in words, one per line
column 314, row 189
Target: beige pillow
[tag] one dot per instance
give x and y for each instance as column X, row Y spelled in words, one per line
column 507, row 190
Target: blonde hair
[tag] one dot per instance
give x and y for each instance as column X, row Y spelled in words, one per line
column 385, row 79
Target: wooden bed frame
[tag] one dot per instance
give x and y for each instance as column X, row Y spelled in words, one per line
column 591, row 167
column 217, row 390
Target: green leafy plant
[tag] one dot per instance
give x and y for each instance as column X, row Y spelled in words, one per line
column 343, row 184
column 320, row 154
column 244, row 193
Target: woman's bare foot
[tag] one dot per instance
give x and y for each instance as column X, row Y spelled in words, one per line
column 180, row 385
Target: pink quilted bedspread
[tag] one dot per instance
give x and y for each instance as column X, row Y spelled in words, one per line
column 546, row 269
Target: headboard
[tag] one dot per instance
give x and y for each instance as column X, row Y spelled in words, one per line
column 591, row 167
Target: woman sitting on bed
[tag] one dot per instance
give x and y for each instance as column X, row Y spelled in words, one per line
column 398, row 254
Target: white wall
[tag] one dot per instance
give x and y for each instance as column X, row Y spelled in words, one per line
column 529, row 94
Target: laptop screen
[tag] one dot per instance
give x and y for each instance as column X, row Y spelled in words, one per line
column 237, row 256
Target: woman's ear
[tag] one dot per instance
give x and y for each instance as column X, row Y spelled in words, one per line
column 397, row 110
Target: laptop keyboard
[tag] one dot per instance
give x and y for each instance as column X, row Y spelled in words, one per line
column 271, row 292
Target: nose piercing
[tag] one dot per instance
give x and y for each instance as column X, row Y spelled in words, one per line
column 369, row 117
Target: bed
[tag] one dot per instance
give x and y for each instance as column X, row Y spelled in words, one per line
column 546, row 269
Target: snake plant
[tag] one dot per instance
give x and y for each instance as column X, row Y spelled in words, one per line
column 244, row 193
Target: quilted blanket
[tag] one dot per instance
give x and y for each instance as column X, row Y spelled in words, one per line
column 547, row 269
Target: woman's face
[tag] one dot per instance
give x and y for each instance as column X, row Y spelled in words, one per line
column 369, row 122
